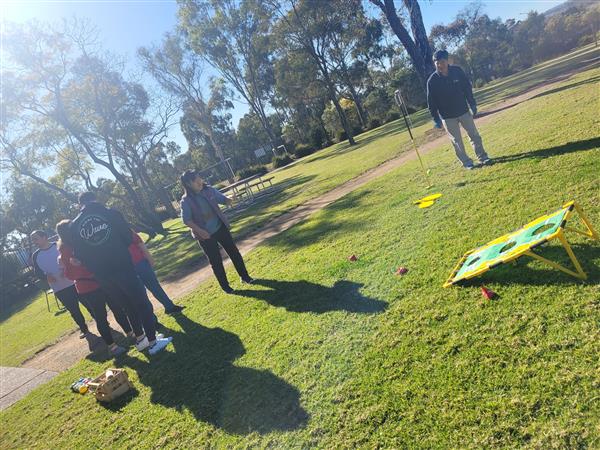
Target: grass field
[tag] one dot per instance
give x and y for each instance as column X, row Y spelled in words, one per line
column 27, row 326
column 323, row 352
column 328, row 168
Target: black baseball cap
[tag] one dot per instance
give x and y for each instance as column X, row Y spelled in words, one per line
column 440, row 54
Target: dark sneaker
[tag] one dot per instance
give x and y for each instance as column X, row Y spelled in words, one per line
column 174, row 310
column 248, row 280
column 469, row 166
column 486, row 162
column 228, row 290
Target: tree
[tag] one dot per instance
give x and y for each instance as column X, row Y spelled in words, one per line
column 181, row 73
column 234, row 37
column 310, row 27
column 416, row 46
column 71, row 109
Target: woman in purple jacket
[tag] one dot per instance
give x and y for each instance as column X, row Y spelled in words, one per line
column 200, row 211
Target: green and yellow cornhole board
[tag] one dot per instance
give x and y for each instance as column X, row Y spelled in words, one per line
column 522, row 242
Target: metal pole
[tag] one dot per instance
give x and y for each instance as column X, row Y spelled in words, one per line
column 408, row 122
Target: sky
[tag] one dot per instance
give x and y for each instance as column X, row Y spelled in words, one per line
column 126, row 25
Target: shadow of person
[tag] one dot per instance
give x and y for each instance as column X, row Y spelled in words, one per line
column 199, row 376
column 304, row 296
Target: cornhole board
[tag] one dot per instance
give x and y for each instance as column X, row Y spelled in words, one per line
column 523, row 241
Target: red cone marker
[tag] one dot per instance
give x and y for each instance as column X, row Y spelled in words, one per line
column 352, row 258
column 401, row 270
column 487, row 293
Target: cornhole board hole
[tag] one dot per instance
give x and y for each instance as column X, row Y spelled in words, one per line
column 522, row 242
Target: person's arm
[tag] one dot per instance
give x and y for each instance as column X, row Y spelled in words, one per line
column 140, row 243
column 186, row 218
column 37, row 270
column 432, row 105
column 468, row 90
column 221, row 198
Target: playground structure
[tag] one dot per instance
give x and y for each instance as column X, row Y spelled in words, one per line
column 522, row 242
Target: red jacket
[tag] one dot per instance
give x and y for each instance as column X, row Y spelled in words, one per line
column 135, row 251
column 84, row 279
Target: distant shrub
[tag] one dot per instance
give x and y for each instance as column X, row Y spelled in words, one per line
column 303, row 150
column 392, row 115
column 281, row 160
column 374, row 123
column 341, row 136
column 250, row 171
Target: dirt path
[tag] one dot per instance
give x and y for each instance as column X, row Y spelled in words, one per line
column 70, row 349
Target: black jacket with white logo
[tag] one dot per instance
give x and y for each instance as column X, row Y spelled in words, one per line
column 101, row 237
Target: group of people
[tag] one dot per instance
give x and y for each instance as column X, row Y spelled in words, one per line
column 100, row 261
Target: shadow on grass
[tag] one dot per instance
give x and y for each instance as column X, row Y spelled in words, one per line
column 569, row 147
column 524, row 274
column 200, row 377
column 12, row 304
column 305, row 296
column 328, row 223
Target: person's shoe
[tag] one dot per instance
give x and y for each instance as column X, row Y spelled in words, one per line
column 228, row 290
column 248, row 280
column 142, row 345
column 117, row 350
column 486, row 162
column 174, row 309
column 131, row 335
column 469, row 166
column 159, row 344
column 84, row 334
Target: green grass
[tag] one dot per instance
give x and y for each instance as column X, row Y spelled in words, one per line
column 328, row 168
column 27, row 327
column 314, row 175
column 327, row 353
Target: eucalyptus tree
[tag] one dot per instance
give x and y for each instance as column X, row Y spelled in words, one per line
column 312, row 27
column 234, row 37
column 417, row 45
column 70, row 108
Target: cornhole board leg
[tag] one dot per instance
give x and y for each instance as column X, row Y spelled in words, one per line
column 579, row 274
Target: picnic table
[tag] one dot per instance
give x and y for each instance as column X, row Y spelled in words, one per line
column 244, row 187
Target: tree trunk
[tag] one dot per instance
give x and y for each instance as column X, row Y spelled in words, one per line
column 423, row 67
column 333, row 97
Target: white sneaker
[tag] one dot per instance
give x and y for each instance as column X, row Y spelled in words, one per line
column 142, row 345
column 159, row 344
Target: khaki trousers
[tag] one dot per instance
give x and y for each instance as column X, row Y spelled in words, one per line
column 452, row 127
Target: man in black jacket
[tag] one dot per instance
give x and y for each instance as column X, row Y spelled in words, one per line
column 101, row 237
column 448, row 92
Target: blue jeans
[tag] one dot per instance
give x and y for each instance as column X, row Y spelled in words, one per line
column 148, row 277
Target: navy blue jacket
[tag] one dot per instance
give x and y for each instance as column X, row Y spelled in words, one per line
column 447, row 96
column 101, row 237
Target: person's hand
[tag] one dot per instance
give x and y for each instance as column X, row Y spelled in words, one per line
column 437, row 123
column 474, row 110
column 201, row 234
